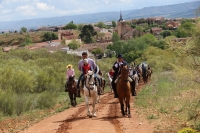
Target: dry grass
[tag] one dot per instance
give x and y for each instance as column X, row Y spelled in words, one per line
column 11, row 39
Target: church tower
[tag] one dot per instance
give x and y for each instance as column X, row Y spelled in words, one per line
column 121, row 26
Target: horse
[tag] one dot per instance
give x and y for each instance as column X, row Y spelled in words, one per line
column 133, row 73
column 90, row 90
column 96, row 84
column 72, row 90
column 144, row 75
column 103, row 82
column 149, row 72
column 109, row 81
column 124, row 90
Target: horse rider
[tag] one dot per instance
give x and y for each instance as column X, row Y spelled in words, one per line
column 144, row 69
column 111, row 73
column 116, row 68
column 69, row 72
column 80, row 64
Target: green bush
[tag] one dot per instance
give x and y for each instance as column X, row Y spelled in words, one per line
column 46, row 100
column 188, row 130
column 6, row 104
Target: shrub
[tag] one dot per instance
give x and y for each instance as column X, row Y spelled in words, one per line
column 188, row 130
column 46, row 100
column 6, row 103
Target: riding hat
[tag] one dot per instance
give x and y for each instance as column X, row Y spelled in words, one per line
column 119, row 56
column 69, row 66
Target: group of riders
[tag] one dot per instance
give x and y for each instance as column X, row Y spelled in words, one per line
column 86, row 64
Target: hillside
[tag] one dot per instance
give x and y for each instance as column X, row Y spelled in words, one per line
column 182, row 10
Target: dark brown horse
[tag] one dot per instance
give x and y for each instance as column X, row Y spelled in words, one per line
column 72, row 90
column 103, row 82
column 124, row 90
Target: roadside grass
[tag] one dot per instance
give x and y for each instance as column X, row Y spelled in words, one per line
column 170, row 102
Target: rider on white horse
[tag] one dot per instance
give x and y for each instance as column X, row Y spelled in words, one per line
column 80, row 64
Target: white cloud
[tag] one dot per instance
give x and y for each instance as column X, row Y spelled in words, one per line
column 63, row 12
column 5, row 11
column 44, row 6
column 106, row 1
column 26, row 10
column 11, row 1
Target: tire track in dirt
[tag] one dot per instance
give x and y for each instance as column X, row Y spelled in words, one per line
column 67, row 123
column 113, row 114
column 66, row 126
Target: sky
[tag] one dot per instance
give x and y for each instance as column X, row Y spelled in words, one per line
column 13, row 10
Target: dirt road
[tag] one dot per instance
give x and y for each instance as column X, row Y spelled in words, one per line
column 108, row 120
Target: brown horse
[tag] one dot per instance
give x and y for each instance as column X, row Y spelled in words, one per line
column 124, row 90
column 149, row 74
column 72, row 90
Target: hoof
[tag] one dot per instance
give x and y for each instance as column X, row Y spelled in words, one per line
column 95, row 115
column 90, row 116
column 129, row 115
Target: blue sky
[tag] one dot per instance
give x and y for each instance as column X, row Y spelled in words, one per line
column 27, row 9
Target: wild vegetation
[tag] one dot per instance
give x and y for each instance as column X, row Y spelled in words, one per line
column 173, row 96
column 34, row 80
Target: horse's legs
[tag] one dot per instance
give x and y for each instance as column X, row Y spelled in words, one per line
column 128, row 106
column 94, row 99
column 87, row 105
column 74, row 99
column 122, row 105
column 97, row 98
column 71, row 99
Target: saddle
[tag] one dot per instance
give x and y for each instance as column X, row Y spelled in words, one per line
column 128, row 79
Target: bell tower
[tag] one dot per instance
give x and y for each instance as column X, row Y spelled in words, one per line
column 121, row 26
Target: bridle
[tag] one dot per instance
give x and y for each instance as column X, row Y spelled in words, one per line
column 89, row 83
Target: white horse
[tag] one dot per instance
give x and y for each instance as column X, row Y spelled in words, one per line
column 109, row 81
column 90, row 90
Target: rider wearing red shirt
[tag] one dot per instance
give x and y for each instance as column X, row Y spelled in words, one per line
column 86, row 66
column 111, row 73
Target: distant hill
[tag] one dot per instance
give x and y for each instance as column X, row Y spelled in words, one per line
column 182, row 10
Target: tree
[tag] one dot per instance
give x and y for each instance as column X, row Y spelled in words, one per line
column 185, row 30
column 115, row 37
column 23, row 29
column 114, row 24
column 101, row 25
column 26, row 41
column 166, row 33
column 80, row 26
column 48, row 36
column 70, row 26
column 87, row 34
column 74, row 44
column 98, row 52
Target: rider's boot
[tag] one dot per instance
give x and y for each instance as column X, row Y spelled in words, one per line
column 133, row 89
column 66, row 88
column 114, row 90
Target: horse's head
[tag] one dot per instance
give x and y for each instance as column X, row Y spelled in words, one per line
column 71, row 82
column 124, row 71
column 90, row 82
column 71, row 77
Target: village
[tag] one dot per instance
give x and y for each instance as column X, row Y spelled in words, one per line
column 125, row 29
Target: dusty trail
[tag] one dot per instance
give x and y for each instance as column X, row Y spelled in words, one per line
column 108, row 120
